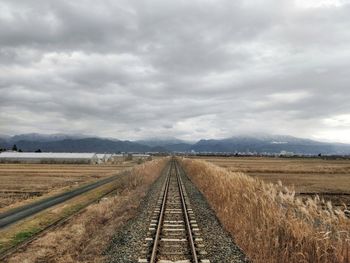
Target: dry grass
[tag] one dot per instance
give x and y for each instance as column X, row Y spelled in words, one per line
column 84, row 238
column 22, row 183
column 268, row 221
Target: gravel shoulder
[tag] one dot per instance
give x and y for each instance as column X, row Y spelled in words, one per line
column 127, row 243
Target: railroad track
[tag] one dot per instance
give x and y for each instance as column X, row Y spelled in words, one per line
column 173, row 234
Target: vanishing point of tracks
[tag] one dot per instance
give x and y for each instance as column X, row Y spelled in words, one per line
column 173, row 234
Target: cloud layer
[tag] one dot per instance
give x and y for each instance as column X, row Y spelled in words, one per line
column 131, row 69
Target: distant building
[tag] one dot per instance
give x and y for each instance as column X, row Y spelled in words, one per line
column 285, row 153
column 117, row 158
column 103, row 157
column 108, row 157
column 48, row 158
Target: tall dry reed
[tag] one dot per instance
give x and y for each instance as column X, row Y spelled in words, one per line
column 268, row 222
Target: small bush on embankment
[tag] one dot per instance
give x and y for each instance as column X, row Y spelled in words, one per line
column 86, row 236
column 268, row 222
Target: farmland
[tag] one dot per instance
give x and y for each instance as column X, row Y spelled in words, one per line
column 22, row 183
column 308, row 176
column 89, row 230
column 232, row 193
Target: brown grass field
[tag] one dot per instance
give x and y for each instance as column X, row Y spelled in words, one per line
column 22, row 183
column 330, row 179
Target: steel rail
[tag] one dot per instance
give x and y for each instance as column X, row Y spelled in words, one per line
column 160, row 219
column 187, row 221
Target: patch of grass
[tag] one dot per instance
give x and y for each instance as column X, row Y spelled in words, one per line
column 72, row 209
column 24, row 235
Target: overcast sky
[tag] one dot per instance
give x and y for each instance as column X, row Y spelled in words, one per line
column 190, row 69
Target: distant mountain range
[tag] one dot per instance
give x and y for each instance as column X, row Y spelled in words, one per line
column 68, row 143
column 269, row 144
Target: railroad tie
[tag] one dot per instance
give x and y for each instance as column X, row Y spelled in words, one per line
column 173, row 235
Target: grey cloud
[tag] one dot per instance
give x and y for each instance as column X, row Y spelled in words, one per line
column 181, row 68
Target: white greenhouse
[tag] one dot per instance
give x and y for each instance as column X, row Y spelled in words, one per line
column 108, row 157
column 100, row 157
column 48, row 158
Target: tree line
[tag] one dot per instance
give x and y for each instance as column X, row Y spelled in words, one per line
column 16, row 149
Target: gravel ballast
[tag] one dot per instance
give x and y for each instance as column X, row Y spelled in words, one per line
column 127, row 243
